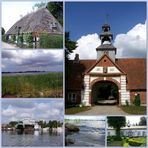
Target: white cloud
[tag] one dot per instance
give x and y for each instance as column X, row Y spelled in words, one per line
column 10, row 111
column 130, row 44
column 86, row 46
column 133, row 43
column 42, row 106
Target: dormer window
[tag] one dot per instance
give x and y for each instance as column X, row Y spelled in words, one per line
column 53, row 26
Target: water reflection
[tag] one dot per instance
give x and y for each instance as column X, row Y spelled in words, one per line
column 31, row 138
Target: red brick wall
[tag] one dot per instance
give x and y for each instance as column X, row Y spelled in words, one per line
column 142, row 96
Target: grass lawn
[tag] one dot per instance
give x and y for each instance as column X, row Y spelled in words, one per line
column 140, row 110
column 74, row 110
column 115, row 143
column 31, row 86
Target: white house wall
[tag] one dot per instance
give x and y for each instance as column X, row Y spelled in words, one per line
column 128, row 132
column 124, row 94
column 111, row 69
column 85, row 99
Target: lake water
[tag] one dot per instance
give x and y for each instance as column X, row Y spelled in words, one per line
column 92, row 133
column 25, row 73
column 32, row 139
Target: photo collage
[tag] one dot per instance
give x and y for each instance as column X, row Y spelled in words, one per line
column 73, row 74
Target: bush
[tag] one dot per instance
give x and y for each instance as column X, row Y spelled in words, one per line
column 28, row 38
column 127, row 103
column 114, row 138
column 13, row 38
column 133, row 142
column 51, row 41
column 137, row 101
column 4, row 38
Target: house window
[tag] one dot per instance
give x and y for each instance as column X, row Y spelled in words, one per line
column 143, row 134
column 138, row 133
column 72, row 97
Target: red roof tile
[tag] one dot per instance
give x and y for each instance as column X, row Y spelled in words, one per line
column 135, row 68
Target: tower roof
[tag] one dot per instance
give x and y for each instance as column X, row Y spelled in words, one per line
column 106, row 38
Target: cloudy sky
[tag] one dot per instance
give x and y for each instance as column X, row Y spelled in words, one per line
column 14, row 110
column 32, row 60
column 127, row 20
column 13, row 11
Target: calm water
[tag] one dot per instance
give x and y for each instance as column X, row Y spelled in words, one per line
column 32, row 139
column 23, row 74
column 92, row 133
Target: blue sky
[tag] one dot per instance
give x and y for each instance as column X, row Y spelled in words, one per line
column 42, row 109
column 84, row 21
column 87, row 17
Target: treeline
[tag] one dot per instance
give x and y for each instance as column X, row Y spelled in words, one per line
column 51, row 123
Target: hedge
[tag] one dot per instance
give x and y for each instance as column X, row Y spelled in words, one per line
column 51, row 41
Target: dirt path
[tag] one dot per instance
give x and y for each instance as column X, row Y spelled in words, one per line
column 104, row 110
column 6, row 45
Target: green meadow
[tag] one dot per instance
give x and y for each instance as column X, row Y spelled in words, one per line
column 31, row 86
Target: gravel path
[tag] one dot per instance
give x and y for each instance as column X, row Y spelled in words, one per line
column 104, row 110
column 6, row 45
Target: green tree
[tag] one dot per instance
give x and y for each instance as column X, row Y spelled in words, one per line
column 117, row 122
column 42, row 123
column 56, row 8
column 142, row 121
column 39, row 5
column 2, row 31
column 70, row 46
column 13, row 123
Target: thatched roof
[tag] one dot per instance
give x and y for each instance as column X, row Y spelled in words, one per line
column 37, row 22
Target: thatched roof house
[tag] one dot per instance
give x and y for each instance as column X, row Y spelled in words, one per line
column 37, row 22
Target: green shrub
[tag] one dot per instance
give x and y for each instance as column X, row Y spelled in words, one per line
column 133, row 142
column 137, row 101
column 4, row 38
column 28, row 38
column 51, row 41
column 127, row 103
column 13, row 38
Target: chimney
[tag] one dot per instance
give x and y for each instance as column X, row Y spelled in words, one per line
column 76, row 59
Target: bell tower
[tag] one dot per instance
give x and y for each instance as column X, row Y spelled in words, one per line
column 106, row 46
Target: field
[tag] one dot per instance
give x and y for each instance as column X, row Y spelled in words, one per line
column 31, row 86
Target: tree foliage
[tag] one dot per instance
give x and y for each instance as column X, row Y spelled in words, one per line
column 70, row 46
column 142, row 121
column 56, row 8
column 117, row 122
column 2, row 31
column 39, row 5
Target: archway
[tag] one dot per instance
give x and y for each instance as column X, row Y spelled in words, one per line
column 104, row 92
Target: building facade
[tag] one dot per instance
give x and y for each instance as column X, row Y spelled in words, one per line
column 106, row 80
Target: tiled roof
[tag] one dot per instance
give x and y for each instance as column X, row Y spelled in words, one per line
column 135, row 68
